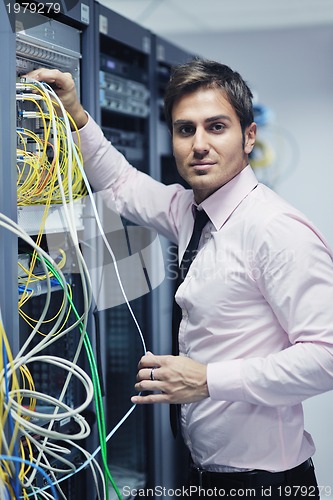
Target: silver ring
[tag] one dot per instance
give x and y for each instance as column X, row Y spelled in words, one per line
column 152, row 374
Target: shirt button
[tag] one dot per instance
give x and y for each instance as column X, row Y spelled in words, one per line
column 185, row 315
column 207, row 236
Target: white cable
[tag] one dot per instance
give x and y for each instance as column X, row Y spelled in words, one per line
column 93, row 463
column 98, row 449
column 10, row 225
column 72, row 230
column 84, row 273
column 47, row 451
column 91, row 197
column 71, row 367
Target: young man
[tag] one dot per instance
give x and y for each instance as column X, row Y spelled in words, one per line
column 256, row 336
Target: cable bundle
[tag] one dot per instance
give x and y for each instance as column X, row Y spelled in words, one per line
column 35, row 455
column 38, row 442
column 45, row 154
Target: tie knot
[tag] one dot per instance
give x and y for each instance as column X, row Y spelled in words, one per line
column 201, row 219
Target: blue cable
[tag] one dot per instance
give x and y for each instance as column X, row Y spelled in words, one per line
column 39, row 469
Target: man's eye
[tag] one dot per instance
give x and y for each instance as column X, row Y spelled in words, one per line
column 185, row 130
column 217, row 127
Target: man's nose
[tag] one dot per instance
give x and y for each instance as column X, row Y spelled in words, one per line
column 200, row 143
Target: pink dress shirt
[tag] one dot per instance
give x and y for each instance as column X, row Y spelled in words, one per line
column 257, row 308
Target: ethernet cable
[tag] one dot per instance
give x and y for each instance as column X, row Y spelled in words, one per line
column 57, row 152
column 5, row 458
column 37, row 179
column 71, row 223
column 107, row 245
column 98, row 400
column 118, row 277
column 32, row 321
column 30, row 242
column 43, row 344
column 7, row 417
column 12, row 226
column 99, row 223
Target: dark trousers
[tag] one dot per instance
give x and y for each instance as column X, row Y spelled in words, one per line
column 299, row 482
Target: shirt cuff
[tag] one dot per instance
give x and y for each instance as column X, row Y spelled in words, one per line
column 224, row 380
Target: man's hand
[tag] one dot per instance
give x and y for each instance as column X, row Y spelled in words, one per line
column 64, row 86
column 176, row 379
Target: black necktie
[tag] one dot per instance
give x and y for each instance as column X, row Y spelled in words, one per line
column 201, row 219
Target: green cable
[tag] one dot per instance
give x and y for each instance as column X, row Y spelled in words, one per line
column 97, row 389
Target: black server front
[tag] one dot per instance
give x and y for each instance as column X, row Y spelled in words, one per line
column 124, row 317
column 48, row 415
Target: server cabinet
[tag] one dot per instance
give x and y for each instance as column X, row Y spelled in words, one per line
column 166, row 55
column 123, row 306
column 53, row 36
column 120, row 70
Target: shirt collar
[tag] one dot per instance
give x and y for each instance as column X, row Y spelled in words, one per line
column 221, row 204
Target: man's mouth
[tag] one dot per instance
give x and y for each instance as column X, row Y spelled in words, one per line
column 201, row 165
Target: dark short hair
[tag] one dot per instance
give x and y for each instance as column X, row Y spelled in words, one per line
column 202, row 73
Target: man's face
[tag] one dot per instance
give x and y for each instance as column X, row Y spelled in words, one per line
column 208, row 143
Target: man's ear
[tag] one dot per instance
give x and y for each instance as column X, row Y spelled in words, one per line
column 250, row 138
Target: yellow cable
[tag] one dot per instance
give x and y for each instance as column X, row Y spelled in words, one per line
column 13, row 385
column 30, row 320
column 37, row 167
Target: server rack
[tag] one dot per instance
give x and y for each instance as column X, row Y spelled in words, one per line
column 124, row 115
column 29, row 40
